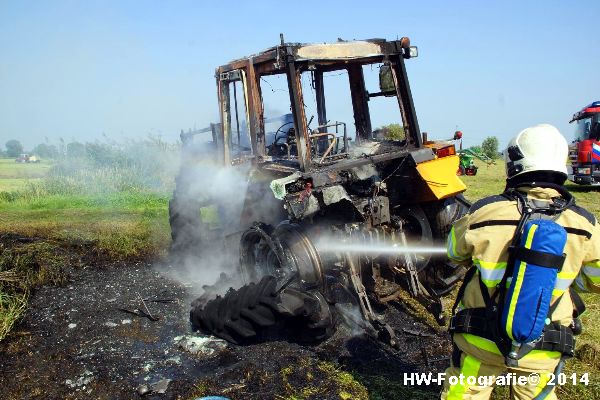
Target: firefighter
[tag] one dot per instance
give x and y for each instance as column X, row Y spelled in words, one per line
column 535, row 170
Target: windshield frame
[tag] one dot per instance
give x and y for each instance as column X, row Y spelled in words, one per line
column 587, row 127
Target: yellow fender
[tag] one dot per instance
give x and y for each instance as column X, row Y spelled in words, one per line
column 440, row 176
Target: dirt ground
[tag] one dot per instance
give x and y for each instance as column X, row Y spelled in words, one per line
column 78, row 342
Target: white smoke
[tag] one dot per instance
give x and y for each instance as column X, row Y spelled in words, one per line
column 352, row 319
column 218, row 194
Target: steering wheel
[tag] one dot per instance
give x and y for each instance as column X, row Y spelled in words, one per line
column 280, row 129
column 276, row 149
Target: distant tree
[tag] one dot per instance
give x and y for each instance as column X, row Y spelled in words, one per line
column 391, row 132
column 75, row 150
column 46, row 150
column 62, row 150
column 489, row 147
column 105, row 154
column 13, row 148
column 53, row 150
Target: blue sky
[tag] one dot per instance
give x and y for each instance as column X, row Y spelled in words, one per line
column 83, row 69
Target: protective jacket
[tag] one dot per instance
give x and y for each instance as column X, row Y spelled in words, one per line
column 481, row 239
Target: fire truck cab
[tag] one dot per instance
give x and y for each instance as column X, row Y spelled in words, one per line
column 584, row 151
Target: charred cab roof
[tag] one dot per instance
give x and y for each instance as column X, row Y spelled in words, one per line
column 334, row 55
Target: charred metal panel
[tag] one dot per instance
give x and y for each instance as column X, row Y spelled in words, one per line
column 272, row 60
column 376, row 210
column 259, row 202
column 256, row 115
column 405, row 100
column 320, row 97
column 380, row 210
column 301, row 205
column 295, row 90
column 422, row 155
column 279, row 167
column 348, row 164
column 223, row 91
column 266, row 57
column 362, row 117
column 334, row 194
column 324, row 178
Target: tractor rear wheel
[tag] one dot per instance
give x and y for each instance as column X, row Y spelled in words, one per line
column 282, row 292
column 285, row 252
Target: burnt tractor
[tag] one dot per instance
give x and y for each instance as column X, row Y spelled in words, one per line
column 323, row 213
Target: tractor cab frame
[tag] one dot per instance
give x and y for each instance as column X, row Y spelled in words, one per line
column 312, row 147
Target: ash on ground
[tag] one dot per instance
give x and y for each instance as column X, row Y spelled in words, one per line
column 122, row 331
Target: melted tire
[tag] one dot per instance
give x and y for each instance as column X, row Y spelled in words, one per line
column 256, row 312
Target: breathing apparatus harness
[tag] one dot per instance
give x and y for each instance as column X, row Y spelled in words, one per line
column 517, row 316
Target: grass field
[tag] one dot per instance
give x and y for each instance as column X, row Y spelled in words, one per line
column 16, row 176
column 130, row 223
column 11, row 169
column 122, row 223
column 101, row 212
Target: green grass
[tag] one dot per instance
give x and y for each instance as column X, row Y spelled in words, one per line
column 303, row 379
column 112, row 209
column 121, row 225
column 24, row 266
column 16, row 184
column 11, row 169
column 382, row 388
column 15, row 177
column 587, row 197
column 490, row 179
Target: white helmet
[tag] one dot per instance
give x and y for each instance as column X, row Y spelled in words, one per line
column 538, row 148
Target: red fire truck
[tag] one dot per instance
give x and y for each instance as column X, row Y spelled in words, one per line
column 584, row 152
